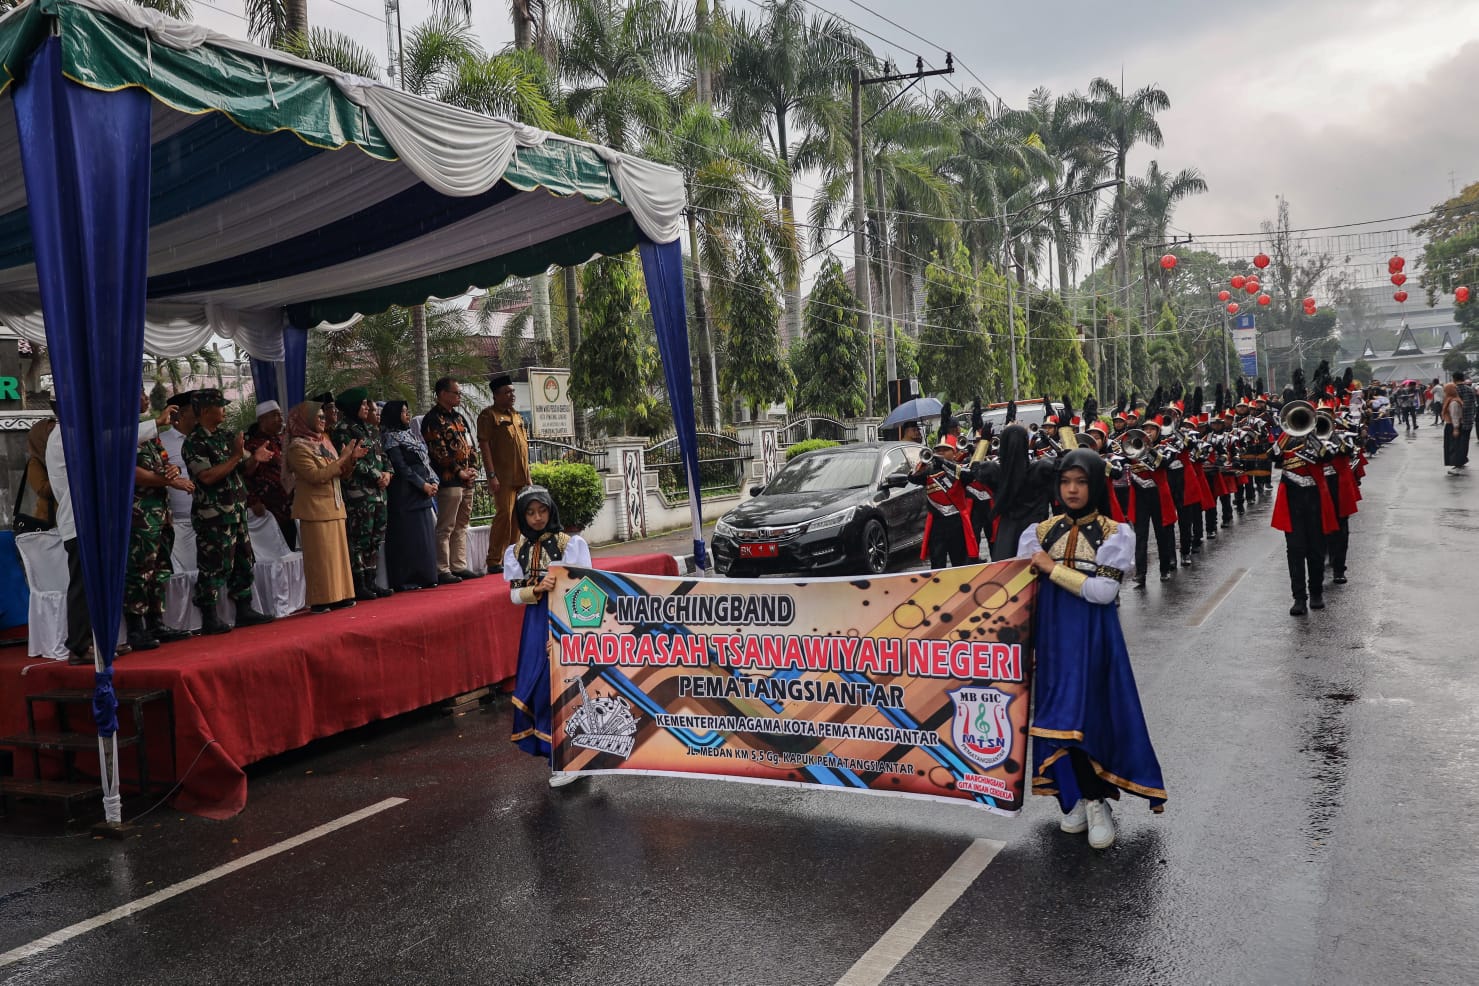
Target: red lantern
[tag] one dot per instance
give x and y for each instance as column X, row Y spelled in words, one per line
column 1399, row 279
column 1461, row 295
column 1238, row 281
column 1168, row 262
column 1400, row 297
column 1251, row 286
column 1395, row 264
column 1225, row 294
column 1232, row 309
column 1309, row 302
column 1264, row 299
column 1260, row 261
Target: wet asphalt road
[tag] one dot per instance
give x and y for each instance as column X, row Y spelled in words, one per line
column 1322, row 826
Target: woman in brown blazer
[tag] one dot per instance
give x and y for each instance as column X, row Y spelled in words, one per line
column 315, row 468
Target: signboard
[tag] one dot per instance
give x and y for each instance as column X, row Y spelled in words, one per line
column 552, row 413
column 911, row 685
column 1279, row 339
column 1245, row 341
column 1249, row 363
column 1243, row 320
column 10, row 389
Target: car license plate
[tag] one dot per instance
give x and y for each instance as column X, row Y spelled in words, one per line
column 761, row 549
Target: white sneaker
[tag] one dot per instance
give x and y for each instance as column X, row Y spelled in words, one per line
column 1077, row 820
column 1101, row 825
column 562, row 779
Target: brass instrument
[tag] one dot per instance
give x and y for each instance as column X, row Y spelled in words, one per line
column 1133, row 444
column 1298, row 418
column 1324, row 425
column 928, row 458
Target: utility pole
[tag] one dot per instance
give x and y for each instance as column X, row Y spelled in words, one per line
column 861, row 282
column 859, row 210
column 1006, row 270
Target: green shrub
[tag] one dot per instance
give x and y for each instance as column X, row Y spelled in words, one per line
column 810, row 445
column 577, row 488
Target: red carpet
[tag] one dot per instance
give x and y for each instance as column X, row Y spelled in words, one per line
column 264, row 690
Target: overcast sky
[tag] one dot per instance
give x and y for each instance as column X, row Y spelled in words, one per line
column 1352, row 109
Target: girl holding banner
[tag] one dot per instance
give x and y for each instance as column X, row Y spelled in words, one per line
column 526, row 569
column 1090, row 738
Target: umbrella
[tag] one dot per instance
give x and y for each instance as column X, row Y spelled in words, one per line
column 1409, row 383
column 916, row 410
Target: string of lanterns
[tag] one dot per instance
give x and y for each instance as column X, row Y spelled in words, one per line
column 1251, row 284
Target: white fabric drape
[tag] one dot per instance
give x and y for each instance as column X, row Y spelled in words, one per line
column 170, row 329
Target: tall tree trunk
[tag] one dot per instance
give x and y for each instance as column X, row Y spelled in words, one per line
column 423, row 357
column 792, row 333
column 704, row 81
column 539, row 310
column 523, row 24
column 572, row 321
column 295, row 17
column 708, row 370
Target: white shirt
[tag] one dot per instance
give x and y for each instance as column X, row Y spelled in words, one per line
column 56, row 473
column 577, row 553
column 1117, row 552
column 179, row 500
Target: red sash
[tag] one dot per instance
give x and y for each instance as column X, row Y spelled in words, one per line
column 1350, row 493
column 1168, row 502
column 1328, row 522
column 955, row 497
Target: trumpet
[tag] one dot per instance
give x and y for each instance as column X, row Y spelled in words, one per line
column 1298, row 418
column 1324, row 426
column 929, row 458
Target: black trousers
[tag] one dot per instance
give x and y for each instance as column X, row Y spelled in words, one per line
column 1184, row 514
column 981, row 522
column 79, row 621
column 1227, row 508
column 1122, row 494
column 1304, row 545
column 1090, row 784
column 1148, row 518
column 947, row 543
column 1339, row 540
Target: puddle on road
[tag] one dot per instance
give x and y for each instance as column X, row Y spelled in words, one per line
column 1325, row 746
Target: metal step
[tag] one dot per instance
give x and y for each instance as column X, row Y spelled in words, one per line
column 14, row 787
column 83, row 696
column 61, row 741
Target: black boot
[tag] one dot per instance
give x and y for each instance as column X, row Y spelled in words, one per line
column 248, row 617
column 139, row 637
column 1298, row 609
column 211, row 622
column 362, row 590
column 379, row 592
column 166, row 634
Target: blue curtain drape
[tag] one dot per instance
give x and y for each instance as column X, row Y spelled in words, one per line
column 295, row 362
column 85, row 155
column 264, row 380
column 662, row 263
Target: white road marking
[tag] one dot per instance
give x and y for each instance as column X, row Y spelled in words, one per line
column 898, row 941
column 160, row 896
column 1210, row 606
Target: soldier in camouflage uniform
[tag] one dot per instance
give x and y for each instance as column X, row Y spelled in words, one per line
column 214, row 454
column 365, row 498
column 151, row 538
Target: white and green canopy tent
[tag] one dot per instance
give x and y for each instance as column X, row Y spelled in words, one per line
column 161, row 184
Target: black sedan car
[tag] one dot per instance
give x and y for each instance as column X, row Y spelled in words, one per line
column 847, row 509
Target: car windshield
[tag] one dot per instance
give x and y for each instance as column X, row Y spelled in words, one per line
column 817, row 473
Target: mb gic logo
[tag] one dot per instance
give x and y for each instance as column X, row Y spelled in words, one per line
column 586, row 604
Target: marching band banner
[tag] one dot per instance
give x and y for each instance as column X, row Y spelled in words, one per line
column 914, row 685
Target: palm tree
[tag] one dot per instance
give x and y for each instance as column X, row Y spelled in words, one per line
column 613, row 58
column 373, row 354
column 727, row 175
column 789, row 74
column 1154, row 199
column 1118, row 123
column 1077, row 165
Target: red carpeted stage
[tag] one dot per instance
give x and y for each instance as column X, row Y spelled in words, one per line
column 264, row 690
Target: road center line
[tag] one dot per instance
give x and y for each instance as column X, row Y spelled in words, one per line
column 899, row 940
column 160, row 896
column 1210, row 606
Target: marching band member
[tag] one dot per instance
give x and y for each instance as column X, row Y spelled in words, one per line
column 1021, row 486
column 1303, row 509
column 1152, row 505
column 1089, row 732
column 526, row 569
column 949, row 531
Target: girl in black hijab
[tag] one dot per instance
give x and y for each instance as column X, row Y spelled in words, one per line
column 1021, row 488
column 526, row 569
column 410, row 532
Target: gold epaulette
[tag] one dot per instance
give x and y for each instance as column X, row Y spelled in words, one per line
column 1044, row 528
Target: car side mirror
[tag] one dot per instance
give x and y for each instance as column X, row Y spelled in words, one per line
column 896, row 481
column 756, row 490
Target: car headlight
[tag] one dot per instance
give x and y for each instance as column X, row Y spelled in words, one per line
column 832, row 520
column 724, row 530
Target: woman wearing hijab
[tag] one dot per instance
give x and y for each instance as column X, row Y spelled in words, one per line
column 364, row 490
column 315, row 470
column 35, row 504
column 1089, row 735
column 1455, row 449
column 526, row 569
column 410, row 533
column 1021, row 487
